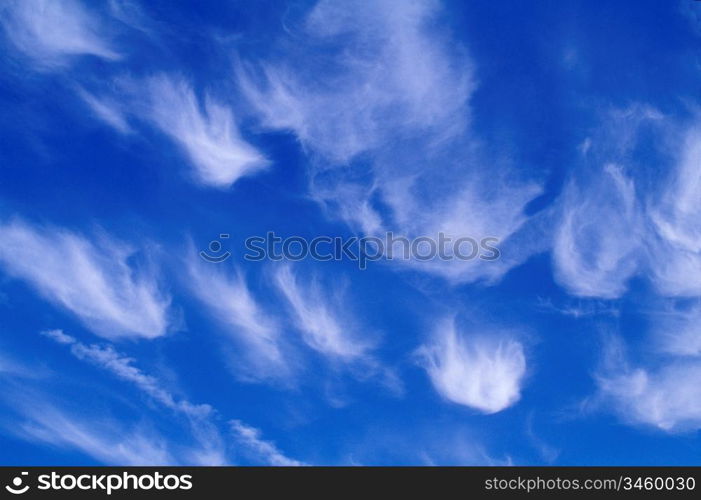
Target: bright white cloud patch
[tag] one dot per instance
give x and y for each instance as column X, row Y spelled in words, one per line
column 50, row 31
column 206, row 132
column 324, row 327
column 92, row 279
column 249, row 438
column 479, row 371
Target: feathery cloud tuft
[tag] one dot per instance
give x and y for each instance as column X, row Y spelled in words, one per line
column 324, row 327
column 51, row 32
column 93, row 280
column 207, row 133
column 227, row 297
column 479, row 371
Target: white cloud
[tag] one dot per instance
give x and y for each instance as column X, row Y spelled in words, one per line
column 51, row 32
column 384, row 114
column 199, row 416
column 659, row 237
column 677, row 329
column 391, row 72
column 105, row 441
column 580, row 308
column 207, row 133
column 11, row 367
column 122, row 367
column 92, row 279
column 322, row 322
column 249, row 438
column 597, row 242
column 667, row 396
column 675, row 257
column 613, row 225
column 477, row 208
column 229, row 300
column 34, row 415
column 107, row 109
column 131, row 14
column 481, row 371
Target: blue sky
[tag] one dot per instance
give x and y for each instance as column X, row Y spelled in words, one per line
column 134, row 133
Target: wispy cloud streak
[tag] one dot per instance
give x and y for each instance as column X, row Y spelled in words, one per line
column 324, row 327
column 249, row 438
column 384, row 117
column 92, row 279
column 107, row 442
column 262, row 351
